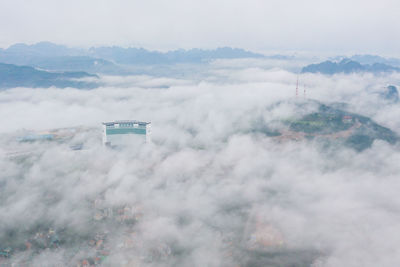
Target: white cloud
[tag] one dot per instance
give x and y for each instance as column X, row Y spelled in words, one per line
column 205, row 176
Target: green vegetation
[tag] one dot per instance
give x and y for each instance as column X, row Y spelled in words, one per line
column 359, row 142
column 320, row 122
column 353, row 130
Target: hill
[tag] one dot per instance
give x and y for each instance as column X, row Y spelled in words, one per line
column 370, row 59
column 390, row 94
column 347, row 66
column 329, row 124
column 25, row 76
column 111, row 60
column 143, row 56
column 54, row 57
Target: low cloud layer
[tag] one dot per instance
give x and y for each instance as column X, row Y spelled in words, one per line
column 198, row 193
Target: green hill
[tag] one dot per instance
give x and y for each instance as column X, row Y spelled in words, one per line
column 328, row 123
column 24, row 76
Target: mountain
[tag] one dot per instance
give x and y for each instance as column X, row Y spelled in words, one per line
column 143, row 56
column 347, row 66
column 49, row 56
column 329, row 125
column 43, row 49
column 73, row 63
column 371, row 59
column 54, row 57
column 390, row 94
column 25, row 76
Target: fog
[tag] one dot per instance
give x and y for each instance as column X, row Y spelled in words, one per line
column 206, row 178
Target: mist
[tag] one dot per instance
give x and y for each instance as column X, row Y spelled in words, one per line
column 195, row 195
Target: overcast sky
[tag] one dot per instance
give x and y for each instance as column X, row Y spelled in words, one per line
column 339, row 26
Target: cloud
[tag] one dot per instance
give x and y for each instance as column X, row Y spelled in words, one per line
column 208, row 190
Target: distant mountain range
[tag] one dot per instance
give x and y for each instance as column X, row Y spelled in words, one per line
column 50, row 62
column 143, row 56
column 51, row 56
column 25, row 76
column 370, row 59
column 348, row 66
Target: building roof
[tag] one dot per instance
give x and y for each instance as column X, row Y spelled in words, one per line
column 126, row 121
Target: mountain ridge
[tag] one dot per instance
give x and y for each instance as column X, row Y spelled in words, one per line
column 21, row 53
column 347, row 66
column 26, row 76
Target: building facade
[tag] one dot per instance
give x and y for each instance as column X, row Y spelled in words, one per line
column 121, row 133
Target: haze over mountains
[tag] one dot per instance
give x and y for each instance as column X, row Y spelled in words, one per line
column 49, row 57
column 370, row 59
column 222, row 133
column 25, row 76
column 237, row 160
column 348, row 66
column 102, row 59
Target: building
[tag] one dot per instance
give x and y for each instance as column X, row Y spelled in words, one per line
column 121, row 133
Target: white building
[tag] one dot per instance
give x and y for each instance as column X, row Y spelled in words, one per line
column 122, row 133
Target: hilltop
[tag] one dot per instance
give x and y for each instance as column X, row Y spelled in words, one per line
column 327, row 123
column 347, row 66
column 25, row 76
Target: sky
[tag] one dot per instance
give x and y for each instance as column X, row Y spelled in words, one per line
column 359, row 26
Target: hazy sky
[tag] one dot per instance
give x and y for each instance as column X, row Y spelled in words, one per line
column 363, row 26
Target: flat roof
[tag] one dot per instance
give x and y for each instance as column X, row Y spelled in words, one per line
column 126, row 121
